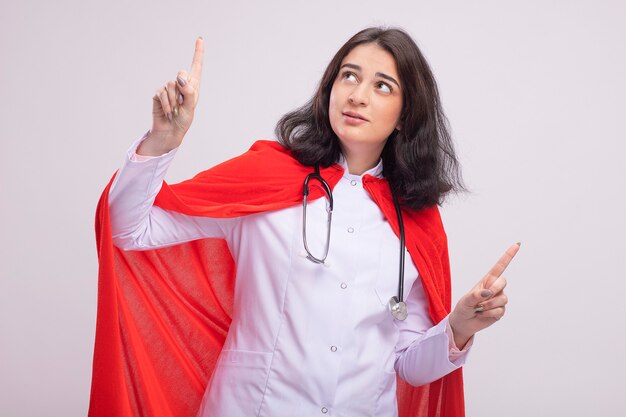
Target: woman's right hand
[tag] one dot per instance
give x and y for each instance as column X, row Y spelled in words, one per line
column 173, row 108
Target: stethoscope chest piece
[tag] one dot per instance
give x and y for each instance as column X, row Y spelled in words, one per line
column 398, row 308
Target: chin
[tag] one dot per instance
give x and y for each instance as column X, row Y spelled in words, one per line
column 348, row 135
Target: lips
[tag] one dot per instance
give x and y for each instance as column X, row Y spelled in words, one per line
column 354, row 115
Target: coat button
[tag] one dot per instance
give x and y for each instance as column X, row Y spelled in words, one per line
column 324, row 410
column 350, row 230
column 333, row 348
column 353, row 183
column 344, row 285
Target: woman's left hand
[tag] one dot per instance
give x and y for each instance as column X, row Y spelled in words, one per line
column 484, row 304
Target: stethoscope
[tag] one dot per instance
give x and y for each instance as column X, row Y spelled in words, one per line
column 396, row 305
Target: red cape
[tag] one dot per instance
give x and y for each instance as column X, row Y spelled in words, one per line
column 163, row 314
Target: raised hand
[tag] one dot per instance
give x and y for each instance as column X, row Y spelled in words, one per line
column 173, row 108
column 484, row 304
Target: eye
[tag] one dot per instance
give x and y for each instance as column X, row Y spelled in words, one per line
column 384, row 87
column 350, row 76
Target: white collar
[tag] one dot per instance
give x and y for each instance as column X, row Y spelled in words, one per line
column 377, row 171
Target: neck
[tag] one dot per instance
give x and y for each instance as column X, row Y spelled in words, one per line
column 359, row 162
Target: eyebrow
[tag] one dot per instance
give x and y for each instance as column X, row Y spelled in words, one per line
column 378, row 74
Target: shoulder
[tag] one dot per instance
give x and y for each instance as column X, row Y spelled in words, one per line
column 428, row 222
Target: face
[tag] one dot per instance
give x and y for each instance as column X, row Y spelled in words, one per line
column 365, row 100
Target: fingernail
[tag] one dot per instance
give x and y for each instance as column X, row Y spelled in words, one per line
column 519, row 243
column 180, row 99
column 181, row 81
column 169, row 116
column 175, row 111
column 200, row 37
column 486, row 293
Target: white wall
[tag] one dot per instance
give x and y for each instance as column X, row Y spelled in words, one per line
column 535, row 94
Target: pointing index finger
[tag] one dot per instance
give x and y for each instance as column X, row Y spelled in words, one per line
column 504, row 261
column 196, row 64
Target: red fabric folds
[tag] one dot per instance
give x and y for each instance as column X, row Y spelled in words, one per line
column 163, row 314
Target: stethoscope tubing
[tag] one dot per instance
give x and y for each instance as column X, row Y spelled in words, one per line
column 329, row 209
column 396, row 203
column 397, row 305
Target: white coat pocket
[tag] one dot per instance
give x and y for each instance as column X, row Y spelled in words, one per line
column 238, row 383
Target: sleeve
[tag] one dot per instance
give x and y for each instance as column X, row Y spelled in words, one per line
column 136, row 224
column 424, row 352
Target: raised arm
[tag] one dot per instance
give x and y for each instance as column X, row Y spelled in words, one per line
column 426, row 353
column 136, row 224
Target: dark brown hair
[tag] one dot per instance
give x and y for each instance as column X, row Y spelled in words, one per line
column 419, row 160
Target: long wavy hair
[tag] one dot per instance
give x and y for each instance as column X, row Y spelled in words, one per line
column 419, row 160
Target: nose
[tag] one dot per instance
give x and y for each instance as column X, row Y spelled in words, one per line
column 358, row 96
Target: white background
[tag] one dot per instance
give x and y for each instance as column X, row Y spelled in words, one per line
column 534, row 91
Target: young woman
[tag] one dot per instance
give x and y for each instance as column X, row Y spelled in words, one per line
column 338, row 291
